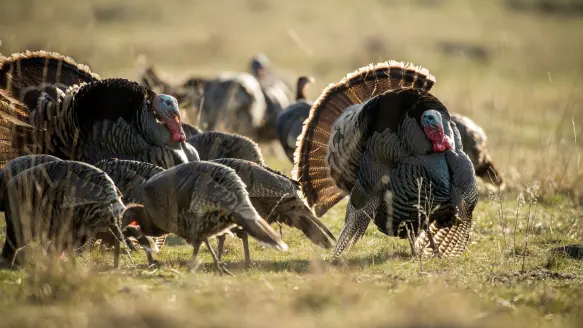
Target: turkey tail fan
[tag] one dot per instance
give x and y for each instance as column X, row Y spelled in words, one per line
column 16, row 136
column 448, row 241
column 25, row 75
column 311, row 167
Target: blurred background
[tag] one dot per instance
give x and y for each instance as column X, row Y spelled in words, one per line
column 514, row 66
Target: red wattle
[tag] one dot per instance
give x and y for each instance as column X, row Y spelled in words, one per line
column 176, row 130
column 437, row 138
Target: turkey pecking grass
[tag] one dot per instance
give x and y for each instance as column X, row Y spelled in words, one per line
column 277, row 199
column 198, row 201
column 61, row 204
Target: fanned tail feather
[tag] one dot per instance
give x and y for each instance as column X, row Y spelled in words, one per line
column 23, row 79
column 25, row 75
column 311, row 167
column 450, row 240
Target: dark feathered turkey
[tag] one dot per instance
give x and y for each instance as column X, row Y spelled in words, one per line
column 213, row 145
column 475, row 144
column 78, row 116
column 380, row 136
column 290, row 121
column 277, row 199
column 130, row 177
column 197, row 201
column 64, row 202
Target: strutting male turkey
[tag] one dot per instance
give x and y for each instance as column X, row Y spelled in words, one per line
column 52, row 105
column 379, row 136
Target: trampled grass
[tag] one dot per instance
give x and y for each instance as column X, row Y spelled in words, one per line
column 516, row 72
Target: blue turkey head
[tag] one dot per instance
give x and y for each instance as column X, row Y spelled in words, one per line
column 166, row 111
column 432, row 123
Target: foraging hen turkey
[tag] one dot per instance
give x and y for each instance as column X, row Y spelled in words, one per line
column 379, row 136
column 130, row 177
column 78, row 116
column 64, row 202
column 9, row 171
column 198, row 201
column 277, row 199
column 475, row 144
column 289, row 122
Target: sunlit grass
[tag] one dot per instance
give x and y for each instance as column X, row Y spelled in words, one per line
column 515, row 73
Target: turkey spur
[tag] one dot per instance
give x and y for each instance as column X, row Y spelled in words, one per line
column 52, row 105
column 379, row 136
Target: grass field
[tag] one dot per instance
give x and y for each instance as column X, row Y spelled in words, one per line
column 515, row 70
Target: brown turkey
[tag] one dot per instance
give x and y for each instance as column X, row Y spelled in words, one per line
column 379, row 136
column 475, row 144
column 198, row 201
column 78, row 116
column 277, row 199
column 61, row 203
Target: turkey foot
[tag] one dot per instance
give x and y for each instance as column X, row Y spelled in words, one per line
column 220, row 267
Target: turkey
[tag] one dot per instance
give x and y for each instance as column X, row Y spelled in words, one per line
column 277, row 199
column 10, row 170
column 23, row 163
column 475, row 144
column 379, row 136
column 277, row 96
column 213, row 145
column 130, row 177
column 64, row 202
column 16, row 166
column 289, row 122
column 79, row 116
column 233, row 102
column 197, row 201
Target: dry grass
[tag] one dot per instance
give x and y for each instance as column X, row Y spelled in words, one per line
column 516, row 72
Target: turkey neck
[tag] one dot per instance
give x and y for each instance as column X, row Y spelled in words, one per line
column 301, row 91
column 154, row 132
